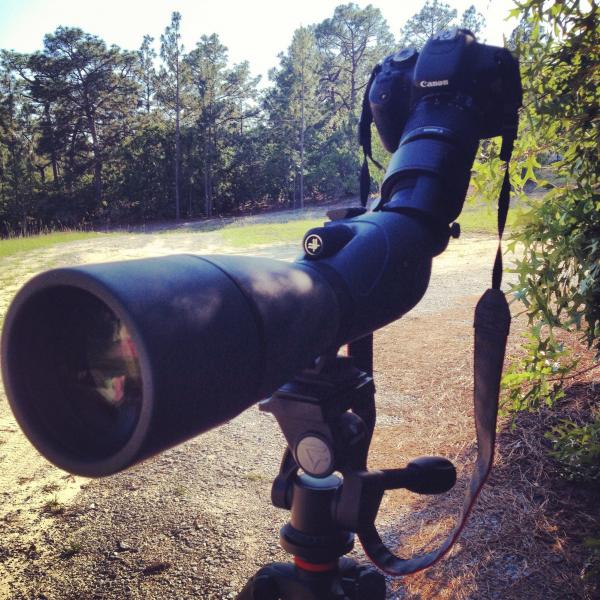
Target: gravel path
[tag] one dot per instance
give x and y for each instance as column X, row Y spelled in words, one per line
column 194, row 522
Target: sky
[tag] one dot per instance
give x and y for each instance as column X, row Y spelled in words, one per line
column 256, row 31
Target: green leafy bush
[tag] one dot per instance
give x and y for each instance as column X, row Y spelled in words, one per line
column 556, row 237
column 577, row 450
column 536, row 379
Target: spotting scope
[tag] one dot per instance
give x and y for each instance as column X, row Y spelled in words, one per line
column 106, row 365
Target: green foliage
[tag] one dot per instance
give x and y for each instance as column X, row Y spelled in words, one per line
column 577, row 449
column 13, row 245
column 91, row 133
column 144, row 181
column 146, row 72
column 19, row 182
column 557, row 236
column 559, row 272
column 435, row 16
column 314, row 105
column 479, row 218
column 473, row 21
column 221, row 110
column 350, row 43
column 71, row 549
column 536, row 379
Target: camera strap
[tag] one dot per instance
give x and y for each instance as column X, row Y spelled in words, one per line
column 364, row 139
column 491, row 324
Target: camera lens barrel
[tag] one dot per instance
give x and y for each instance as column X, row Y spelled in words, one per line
column 431, row 169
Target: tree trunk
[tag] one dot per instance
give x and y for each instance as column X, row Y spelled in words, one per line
column 148, row 96
column 205, row 173
column 53, row 158
column 70, row 177
column 302, row 128
column 177, row 161
column 177, row 140
column 353, row 77
column 97, row 158
column 19, row 211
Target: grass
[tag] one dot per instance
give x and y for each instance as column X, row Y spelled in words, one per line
column 242, row 236
column 479, row 219
column 53, row 507
column 181, row 491
column 73, row 548
column 254, row 476
column 482, row 219
column 50, row 487
column 473, row 219
column 13, row 245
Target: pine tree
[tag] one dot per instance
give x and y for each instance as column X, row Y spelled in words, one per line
column 473, row 20
column 432, row 18
column 147, row 72
column 171, row 51
column 223, row 98
column 351, row 43
column 90, row 90
column 293, row 106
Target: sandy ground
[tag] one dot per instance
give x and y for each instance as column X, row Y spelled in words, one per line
column 196, row 522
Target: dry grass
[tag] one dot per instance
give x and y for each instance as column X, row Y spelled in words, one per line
column 525, row 537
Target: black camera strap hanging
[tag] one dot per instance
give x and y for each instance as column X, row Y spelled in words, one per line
column 491, row 324
column 364, row 139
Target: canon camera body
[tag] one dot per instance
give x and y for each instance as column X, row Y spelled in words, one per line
column 432, row 108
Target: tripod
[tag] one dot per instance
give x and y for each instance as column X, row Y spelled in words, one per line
column 327, row 415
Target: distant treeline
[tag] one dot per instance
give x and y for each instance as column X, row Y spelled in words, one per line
column 91, row 133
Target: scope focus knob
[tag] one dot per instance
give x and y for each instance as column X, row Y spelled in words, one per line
column 322, row 242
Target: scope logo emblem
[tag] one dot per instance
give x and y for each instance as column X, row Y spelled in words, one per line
column 314, row 455
column 313, row 244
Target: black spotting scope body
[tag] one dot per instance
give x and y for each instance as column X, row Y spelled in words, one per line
column 107, row 364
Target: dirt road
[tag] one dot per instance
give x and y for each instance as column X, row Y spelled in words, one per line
column 196, row 521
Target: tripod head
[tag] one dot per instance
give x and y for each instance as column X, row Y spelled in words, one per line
column 327, row 415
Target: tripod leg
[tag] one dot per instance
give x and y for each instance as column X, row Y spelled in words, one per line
column 282, row 581
column 261, row 586
column 361, row 582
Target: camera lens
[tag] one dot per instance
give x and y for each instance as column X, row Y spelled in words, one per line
column 82, row 382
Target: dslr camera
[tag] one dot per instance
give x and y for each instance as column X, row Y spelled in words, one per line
column 432, row 108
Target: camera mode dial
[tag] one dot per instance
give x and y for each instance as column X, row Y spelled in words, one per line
column 404, row 55
column 447, row 34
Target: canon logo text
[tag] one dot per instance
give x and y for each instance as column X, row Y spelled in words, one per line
column 427, row 84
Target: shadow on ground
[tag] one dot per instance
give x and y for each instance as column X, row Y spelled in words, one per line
column 525, row 538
